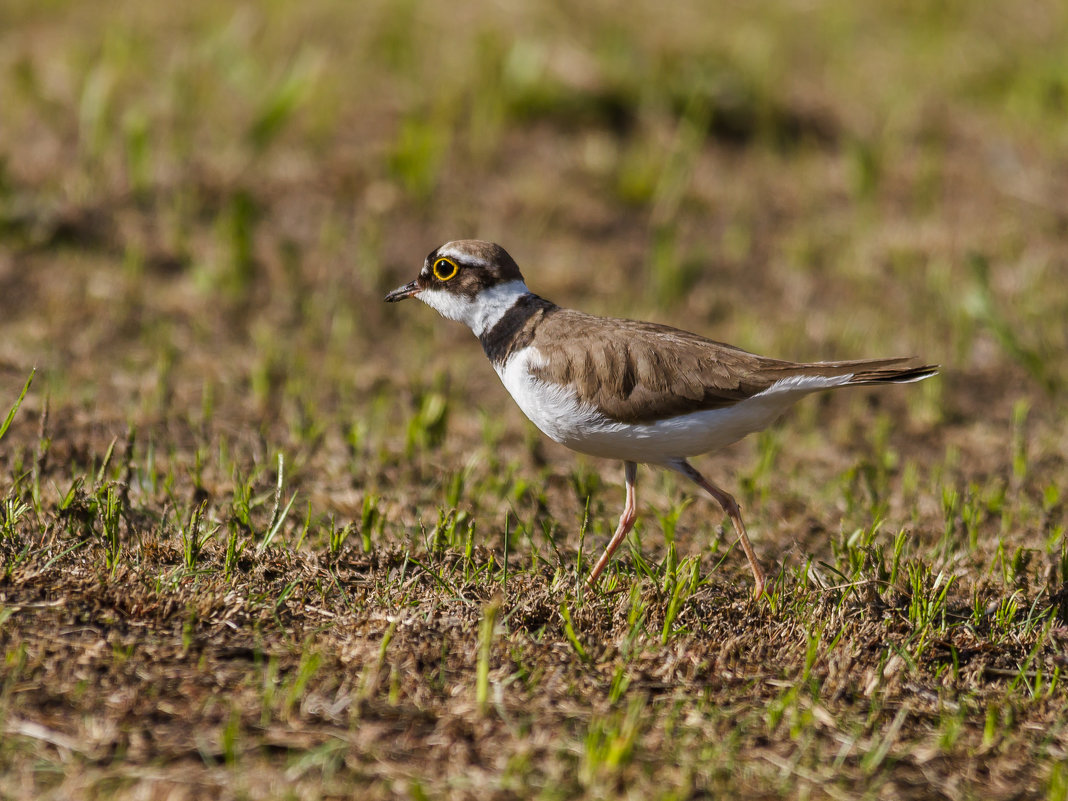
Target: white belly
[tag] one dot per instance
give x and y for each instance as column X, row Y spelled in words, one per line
column 559, row 413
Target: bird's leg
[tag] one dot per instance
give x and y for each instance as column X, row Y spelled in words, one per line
column 626, row 523
column 730, row 506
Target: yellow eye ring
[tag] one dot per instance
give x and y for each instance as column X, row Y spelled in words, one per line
column 444, row 269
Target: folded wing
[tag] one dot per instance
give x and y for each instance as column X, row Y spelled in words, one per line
column 637, row 372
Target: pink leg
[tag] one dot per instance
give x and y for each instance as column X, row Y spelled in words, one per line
column 730, row 506
column 626, row 523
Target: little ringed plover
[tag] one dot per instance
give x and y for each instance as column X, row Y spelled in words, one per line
column 623, row 389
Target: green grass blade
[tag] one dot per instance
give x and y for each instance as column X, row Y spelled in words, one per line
column 14, row 409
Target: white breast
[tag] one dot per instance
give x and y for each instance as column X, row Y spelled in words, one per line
column 559, row 413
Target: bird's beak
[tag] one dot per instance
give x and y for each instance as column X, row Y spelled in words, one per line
column 402, row 292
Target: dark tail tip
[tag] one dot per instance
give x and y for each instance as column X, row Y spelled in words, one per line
column 906, row 375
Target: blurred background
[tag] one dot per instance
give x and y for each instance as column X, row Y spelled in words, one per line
column 202, row 205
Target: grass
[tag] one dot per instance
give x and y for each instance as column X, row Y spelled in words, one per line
column 260, row 531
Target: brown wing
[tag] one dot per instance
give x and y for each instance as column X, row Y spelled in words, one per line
column 639, row 372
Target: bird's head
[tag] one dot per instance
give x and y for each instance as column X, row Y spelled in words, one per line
column 466, row 280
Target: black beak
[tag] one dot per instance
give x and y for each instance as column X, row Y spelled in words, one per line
column 402, row 292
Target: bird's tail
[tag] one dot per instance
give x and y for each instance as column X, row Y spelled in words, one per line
column 879, row 372
column 876, row 371
column 861, row 372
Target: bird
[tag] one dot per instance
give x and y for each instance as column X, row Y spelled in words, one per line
column 639, row 392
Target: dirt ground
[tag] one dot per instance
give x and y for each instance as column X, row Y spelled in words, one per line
column 264, row 536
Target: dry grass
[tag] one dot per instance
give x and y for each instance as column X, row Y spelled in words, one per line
column 263, row 536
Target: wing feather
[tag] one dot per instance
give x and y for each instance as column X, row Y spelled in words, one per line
column 638, row 372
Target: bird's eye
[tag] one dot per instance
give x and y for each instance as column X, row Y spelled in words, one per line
column 444, row 269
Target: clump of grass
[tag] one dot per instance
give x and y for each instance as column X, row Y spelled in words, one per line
column 418, row 153
column 427, row 427
column 983, row 307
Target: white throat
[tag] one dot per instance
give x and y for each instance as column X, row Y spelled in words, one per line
column 481, row 313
